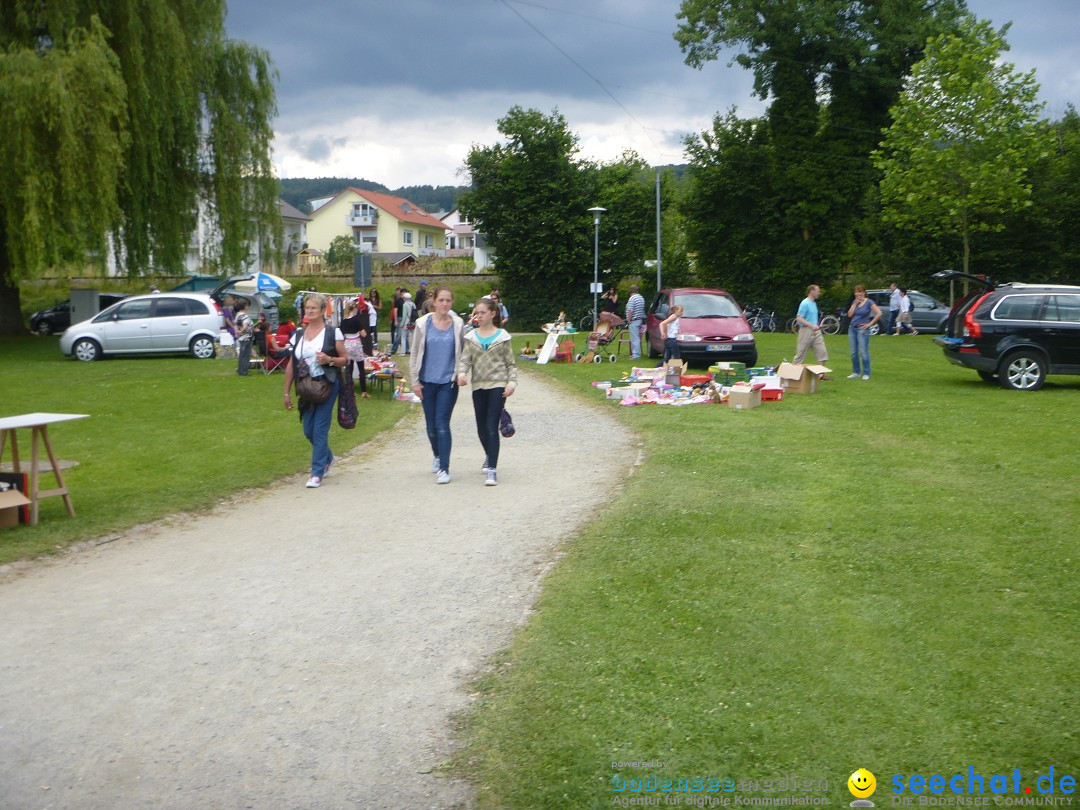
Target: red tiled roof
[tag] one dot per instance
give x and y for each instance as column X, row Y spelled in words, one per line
column 399, row 208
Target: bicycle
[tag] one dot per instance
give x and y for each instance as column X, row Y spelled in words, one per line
column 830, row 324
column 759, row 320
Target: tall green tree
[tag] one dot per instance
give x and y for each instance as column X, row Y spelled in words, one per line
column 339, row 256
column 965, row 132
column 122, row 118
column 530, row 192
column 830, row 70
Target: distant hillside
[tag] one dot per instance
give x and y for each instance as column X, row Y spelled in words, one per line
column 298, row 190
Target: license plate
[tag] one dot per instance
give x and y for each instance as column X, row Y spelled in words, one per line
column 718, row 347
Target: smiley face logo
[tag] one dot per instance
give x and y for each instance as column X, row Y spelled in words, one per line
column 862, row 783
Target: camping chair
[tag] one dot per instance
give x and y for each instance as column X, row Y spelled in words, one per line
column 565, row 350
column 276, row 357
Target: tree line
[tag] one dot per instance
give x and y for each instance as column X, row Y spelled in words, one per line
column 897, row 142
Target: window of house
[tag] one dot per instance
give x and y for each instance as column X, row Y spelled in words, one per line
column 406, row 237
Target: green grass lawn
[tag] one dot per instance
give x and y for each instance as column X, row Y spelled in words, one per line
column 882, row 575
column 165, row 435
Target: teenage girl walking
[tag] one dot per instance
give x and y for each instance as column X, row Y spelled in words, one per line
column 488, row 356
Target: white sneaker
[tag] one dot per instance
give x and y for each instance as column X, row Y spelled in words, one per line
column 484, row 468
column 866, row 376
column 435, row 464
column 313, row 482
column 326, row 469
column 491, row 482
column 443, row 477
column 853, row 376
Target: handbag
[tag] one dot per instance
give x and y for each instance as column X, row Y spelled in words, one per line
column 346, row 404
column 506, row 425
column 312, row 390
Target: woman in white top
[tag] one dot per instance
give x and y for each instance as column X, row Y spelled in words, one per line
column 324, row 357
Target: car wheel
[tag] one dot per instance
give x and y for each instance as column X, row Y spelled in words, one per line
column 203, row 347
column 44, row 328
column 1022, row 371
column 989, row 376
column 751, row 361
column 86, row 350
column 875, row 329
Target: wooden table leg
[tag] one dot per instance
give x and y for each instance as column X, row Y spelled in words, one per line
column 33, row 476
column 62, row 487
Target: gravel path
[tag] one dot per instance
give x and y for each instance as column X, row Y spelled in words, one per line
column 296, row 648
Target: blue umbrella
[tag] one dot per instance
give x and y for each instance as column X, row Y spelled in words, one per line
column 264, row 282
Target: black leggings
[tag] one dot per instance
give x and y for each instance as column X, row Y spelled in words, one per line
column 488, row 404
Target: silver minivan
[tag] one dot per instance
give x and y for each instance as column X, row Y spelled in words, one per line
column 158, row 323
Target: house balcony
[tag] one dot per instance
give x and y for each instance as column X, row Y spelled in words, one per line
column 362, row 220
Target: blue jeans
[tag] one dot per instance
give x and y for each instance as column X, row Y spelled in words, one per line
column 635, row 337
column 316, row 420
column 671, row 349
column 439, row 400
column 488, row 404
column 859, row 341
column 894, row 316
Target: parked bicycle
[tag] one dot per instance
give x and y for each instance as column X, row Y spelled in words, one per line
column 830, row 323
column 759, row 319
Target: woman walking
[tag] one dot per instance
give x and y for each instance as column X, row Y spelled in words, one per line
column 436, row 351
column 322, row 356
column 863, row 313
column 488, row 355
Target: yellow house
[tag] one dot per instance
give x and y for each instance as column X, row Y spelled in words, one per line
column 378, row 223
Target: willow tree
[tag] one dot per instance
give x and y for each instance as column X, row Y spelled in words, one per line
column 122, row 118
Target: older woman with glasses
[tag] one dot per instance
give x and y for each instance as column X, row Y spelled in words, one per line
column 323, row 356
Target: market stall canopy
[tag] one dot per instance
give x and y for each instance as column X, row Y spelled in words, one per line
column 264, row 282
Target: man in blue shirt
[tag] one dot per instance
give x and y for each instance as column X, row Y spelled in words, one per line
column 635, row 316
column 810, row 328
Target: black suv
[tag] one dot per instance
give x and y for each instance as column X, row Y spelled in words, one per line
column 57, row 318
column 1014, row 333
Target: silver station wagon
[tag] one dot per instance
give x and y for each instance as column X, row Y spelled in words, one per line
column 160, row 323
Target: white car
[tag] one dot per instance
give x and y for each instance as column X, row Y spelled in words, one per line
column 148, row 324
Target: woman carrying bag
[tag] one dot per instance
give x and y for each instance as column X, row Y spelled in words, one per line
column 315, row 362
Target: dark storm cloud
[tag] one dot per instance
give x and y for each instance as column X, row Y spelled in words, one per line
column 432, row 72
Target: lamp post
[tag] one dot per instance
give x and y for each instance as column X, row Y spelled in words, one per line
column 596, row 212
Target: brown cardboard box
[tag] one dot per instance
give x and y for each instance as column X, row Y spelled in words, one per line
column 673, row 371
column 798, row 378
column 10, row 502
column 742, row 398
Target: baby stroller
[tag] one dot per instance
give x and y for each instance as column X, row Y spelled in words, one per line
column 609, row 327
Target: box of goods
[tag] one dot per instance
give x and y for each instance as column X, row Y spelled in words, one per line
column 743, row 397
column 648, row 373
column 756, row 371
column 686, row 380
column 797, row 378
column 622, row 392
column 772, row 394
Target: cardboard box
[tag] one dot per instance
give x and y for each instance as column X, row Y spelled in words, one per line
column 798, row 378
column 673, row 370
column 687, row 380
column 620, row 392
column 743, row 397
column 12, row 502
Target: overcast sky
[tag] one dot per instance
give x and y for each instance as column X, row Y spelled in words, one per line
column 396, row 91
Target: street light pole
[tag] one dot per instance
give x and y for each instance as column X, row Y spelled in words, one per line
column 596, row 212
